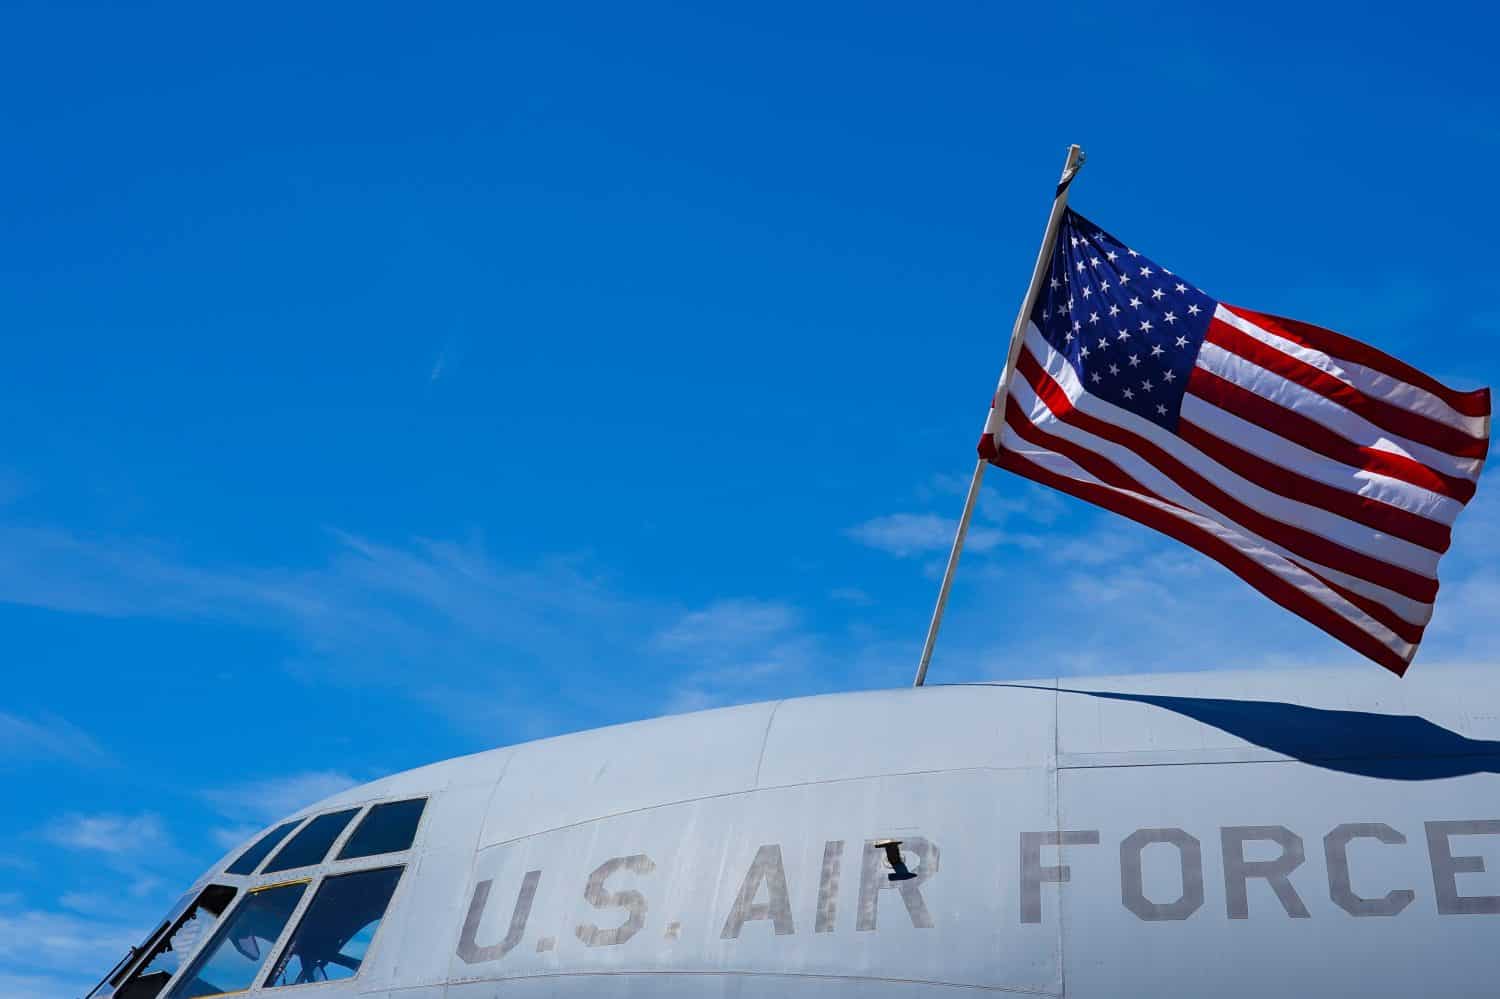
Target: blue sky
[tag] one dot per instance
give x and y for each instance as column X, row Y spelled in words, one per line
column 381, row 384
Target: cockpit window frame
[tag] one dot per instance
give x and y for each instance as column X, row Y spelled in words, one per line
column 341, row 856
column 274, row 839
column 226, row 896
column 191, row 967
column 300, row 917
column 332, row 864
column 137, row 959
column 350, row 813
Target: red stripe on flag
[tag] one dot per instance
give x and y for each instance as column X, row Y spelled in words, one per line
column 1413, row 426
column 988, row 447
column 1336, row 345
column 1305, row 543
column 1392, row 520
column 1404, row 629
column 1273, row 586
column 1315, row 437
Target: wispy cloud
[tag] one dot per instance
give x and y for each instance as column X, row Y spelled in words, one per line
column 1100, row 594
column 735, row 650
column 1463, row 624
column 437, row 619
column 46, row 738
column 115, row 902
column 854, row 595
column 908, row 534
column 443, row 363
column 22, row 986
column 1014, row 517
column 117, row 835
column 43, row 950
column 264, row 801
column 71, row 572
column 727, row 627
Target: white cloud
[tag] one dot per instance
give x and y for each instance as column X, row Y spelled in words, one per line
column 437, row 620
column 1013, row 498
column 728, row 625
column 735, row 651
column 63, row 571
column 1462, row 630
column 443, row 623
column 1098, row 593
column 61, row 940
column 851, row 595
column 117, row 835
column 229, row 837
column 446, row 358
column 24, row 986
column 46, row 738
column 40, row 949
column 264, row 801
column 905, row 535
column 79, row 901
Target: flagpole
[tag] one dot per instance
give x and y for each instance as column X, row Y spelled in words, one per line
column 1018, row 331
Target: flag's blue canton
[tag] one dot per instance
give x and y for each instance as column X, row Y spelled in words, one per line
column 1131, row 329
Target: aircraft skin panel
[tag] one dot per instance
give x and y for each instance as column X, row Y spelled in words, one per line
column 866, row 734
column 728, row 884
column 1217, row 879
column 417, row 938
column 1302, row 833
column 580, row 777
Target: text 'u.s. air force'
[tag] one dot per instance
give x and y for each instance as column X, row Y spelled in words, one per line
column 617, row 891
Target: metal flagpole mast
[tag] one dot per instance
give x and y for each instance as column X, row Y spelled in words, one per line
column 1043, row 259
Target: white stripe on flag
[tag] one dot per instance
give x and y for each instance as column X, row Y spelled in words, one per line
column 1320, row 409
column 1163, row 485
column 1248, row 545
column 1376, row 384
column 1279, row 450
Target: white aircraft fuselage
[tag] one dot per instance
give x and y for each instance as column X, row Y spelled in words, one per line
column 1303, row 833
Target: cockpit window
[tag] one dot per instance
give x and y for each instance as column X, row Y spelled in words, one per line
column 311, row 845
column 168, row 953
column 335, row 933
column 251, row 858
column 388, row 828
column 242, row 944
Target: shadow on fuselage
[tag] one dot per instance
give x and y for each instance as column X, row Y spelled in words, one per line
column 1389, row 747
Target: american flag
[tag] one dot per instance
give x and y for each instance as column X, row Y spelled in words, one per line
column 1320, row 470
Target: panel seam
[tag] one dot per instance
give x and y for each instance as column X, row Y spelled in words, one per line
column 765, row 739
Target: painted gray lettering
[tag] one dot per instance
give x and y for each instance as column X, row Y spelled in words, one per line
column 633, row 902
column 1033, row 874
column 1132, row 884
column 765, row 869
column 828, row 887
column 1341, row 889
column 1446, row 867
column 874, row 877
column 468, row 948
column 1238, row 870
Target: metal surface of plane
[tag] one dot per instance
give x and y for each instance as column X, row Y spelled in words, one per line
column 1230, row 834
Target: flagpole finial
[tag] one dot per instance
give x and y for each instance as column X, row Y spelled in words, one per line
column 1074, row 163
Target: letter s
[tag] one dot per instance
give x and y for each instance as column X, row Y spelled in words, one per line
column 631, row 901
